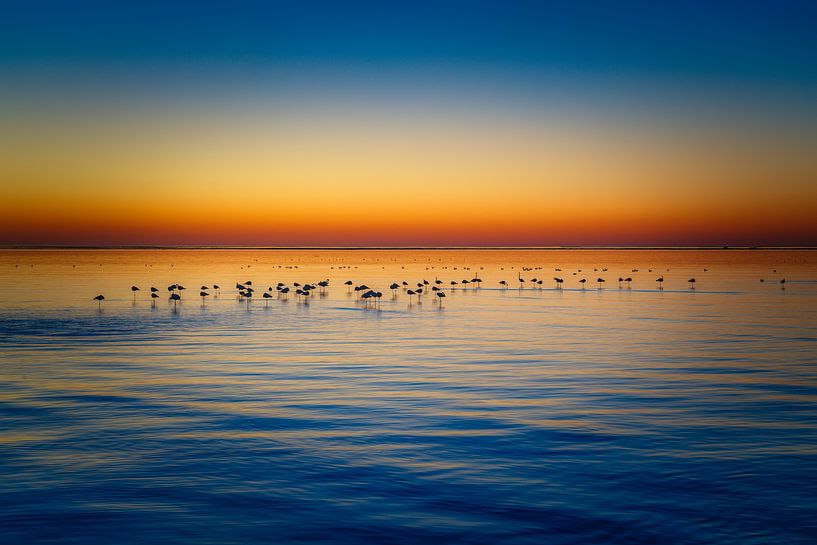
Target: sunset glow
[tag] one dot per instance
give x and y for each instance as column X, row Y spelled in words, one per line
column 297, row 140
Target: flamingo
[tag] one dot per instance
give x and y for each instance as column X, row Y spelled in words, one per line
column 153, row 290
column 267, row 297
column 203, row 294
column 583, row 282
column 629, row 279
column 175, row 297
column 99, row 298
column 153, row 297
column 660, row 281
column 691, row 283
column 521, row 280
column 440, row 296
column 134, row 289
column 216, row 287
column 503, row 284
column 453, row 285
column 600, row 281
column 410, row 294
column 394, row 287
column 783, row 284
column 620, row 280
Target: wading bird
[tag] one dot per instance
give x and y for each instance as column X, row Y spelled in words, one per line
column 99, row 298
column 134, row 289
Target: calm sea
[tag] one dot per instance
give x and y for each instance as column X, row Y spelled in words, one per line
column 516, row 416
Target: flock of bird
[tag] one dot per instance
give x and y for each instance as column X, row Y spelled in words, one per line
column 371, row 297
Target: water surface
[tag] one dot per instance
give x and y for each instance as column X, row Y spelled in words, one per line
column 615, row 415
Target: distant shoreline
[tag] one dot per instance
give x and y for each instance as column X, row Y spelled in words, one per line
column 405, row 248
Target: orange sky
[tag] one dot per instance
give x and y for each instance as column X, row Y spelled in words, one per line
column 392, row 174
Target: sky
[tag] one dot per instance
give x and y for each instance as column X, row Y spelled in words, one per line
column 408, row 124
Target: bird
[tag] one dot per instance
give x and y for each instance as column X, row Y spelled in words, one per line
column 267, row 297
column 99, row 298
column 620, row 280
column 521, row 280
column 660, row 281
column 691, row 283
column 175, row 297
column 153, row 297
column 394, row 287
column 629, row 279
column 203, row 294
column 600, row 281
column 558, row 282
column 153, row 290
column 583, row 281
column 783, row 284
column 503, row 284
column 410, row 294
column 440, row 296
column 216, row 287
column 134, row 289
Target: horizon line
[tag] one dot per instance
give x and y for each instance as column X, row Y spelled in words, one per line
column 360, row 248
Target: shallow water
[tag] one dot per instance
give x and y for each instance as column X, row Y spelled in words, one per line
column 620, row 415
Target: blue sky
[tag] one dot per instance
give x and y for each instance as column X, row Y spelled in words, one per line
column 747, row 41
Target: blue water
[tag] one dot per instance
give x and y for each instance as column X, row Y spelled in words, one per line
column 550, row 416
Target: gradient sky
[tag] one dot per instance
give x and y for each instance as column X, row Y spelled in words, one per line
column 376, row 123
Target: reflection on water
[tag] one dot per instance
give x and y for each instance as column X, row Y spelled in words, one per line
column 536, row 416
